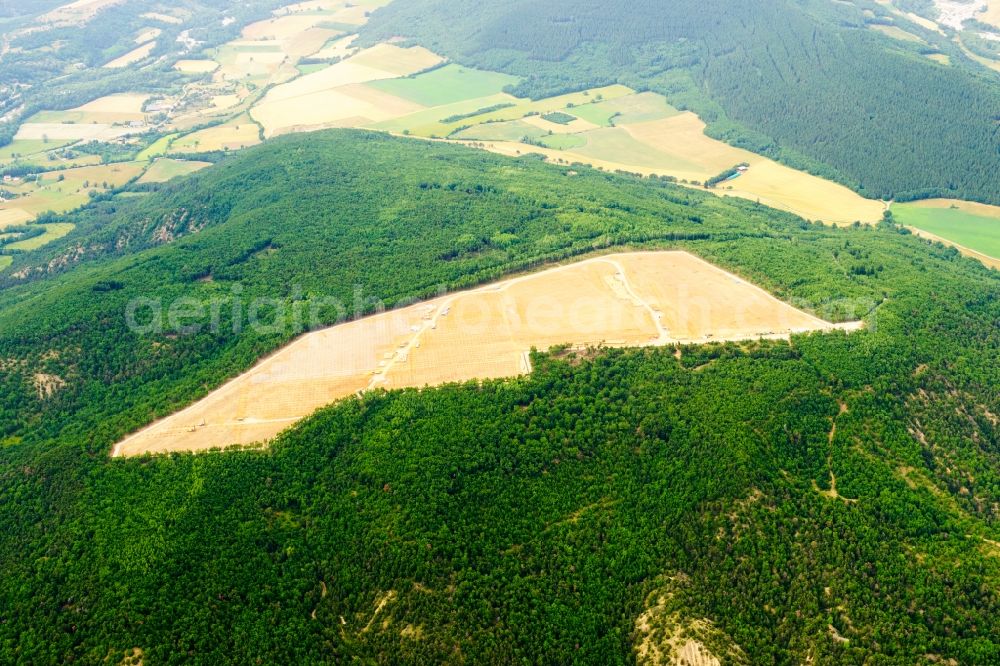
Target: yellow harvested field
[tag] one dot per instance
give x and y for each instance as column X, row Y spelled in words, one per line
column 396, row 61
column 308, row 42
column 263, row 59
column 196, row 66
column 923, row 22
column 297, row 35
column 238, row 133
column 119, row 108
column 123, row 103
column 78, row 12
column 165, row 18
column 225, row 101
column 339, row 49
column 991, row 14
column 132, row 56
column 678, row 146
column 283, row 27
column 148, row 34
column 354, row 15
column 113, row 108
column 635, row 298
column 352, row 105
column 972, row 207
column 49, row 193
column 65, row 131
column 12, row 217
column 328, row 98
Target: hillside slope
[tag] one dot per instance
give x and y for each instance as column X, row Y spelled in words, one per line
column 805, row 82
column 831, row 500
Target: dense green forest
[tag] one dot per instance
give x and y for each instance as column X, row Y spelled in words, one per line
column 805, row 82
column 523, row 521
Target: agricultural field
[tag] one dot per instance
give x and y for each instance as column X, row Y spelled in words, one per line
column 618, row 145
column 971, row 227
column 5, row 261
column 676, row 145
column 637, row 108
column 76, row 13
column 427, row 123
column 147, row 35
column 296, row 36
column 992, row 13
column 240, row 132
column 163, row 18
column 562, row 141
column 196, row 66
column 331, row 96
column 897, row 33
column 439, row 123
column 446, row 85
column 249, row 60
column 510, row 130
column 634, row 299
column 120, row 108
column 566, row 124
column 64, row 190
column 165, row 168
column 53, row 232
column 157, row 148
column 268, row 49
column 28, row 150
column 337, row 49
column 132, row 56
column 70, row 132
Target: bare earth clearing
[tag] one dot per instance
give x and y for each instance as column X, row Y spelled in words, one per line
column 626, row 299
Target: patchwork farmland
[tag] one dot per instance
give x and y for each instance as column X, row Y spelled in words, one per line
column 625, row 299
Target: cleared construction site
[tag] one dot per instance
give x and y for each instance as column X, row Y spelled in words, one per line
column 627, row 299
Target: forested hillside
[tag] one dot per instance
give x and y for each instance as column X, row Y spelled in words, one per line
column 832, row 500
column 805, row 82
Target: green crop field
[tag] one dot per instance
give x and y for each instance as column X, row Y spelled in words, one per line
column 5, row 261
column 976, row 232
column 28, row 147
column 511, row 130
column 428, row 121
column 157, row 148
column 563, row 141
column 637, row 108
column 52, row 232
column 446, row 85
column 311, row 68
column 617, row 145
